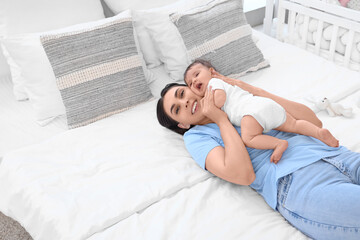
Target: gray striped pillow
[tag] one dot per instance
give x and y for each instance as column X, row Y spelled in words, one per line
column 98, row 70
column 218, row 32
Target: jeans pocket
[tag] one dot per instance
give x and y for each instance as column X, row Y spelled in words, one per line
column 283, row 189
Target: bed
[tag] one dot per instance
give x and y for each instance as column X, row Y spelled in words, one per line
column 124, row 176
column 323, row 27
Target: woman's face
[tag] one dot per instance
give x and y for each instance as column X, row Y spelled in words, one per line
column 183, row 106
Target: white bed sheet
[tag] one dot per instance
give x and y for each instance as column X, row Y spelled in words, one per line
column 56, row 185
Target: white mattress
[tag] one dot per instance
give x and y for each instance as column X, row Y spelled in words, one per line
column 127, row 176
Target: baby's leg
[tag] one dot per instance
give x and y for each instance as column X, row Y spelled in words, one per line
column 307, row 128
column 251, row 133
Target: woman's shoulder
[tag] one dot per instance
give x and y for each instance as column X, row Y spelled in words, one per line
column 202, row 134
column 200, row 140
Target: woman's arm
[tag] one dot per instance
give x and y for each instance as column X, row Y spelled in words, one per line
column 297, row 110
column 231, row 163
column 241, row 84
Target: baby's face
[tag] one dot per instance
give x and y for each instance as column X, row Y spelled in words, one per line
column 197, row 78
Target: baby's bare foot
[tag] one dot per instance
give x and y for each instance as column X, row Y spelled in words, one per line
column 278, row 151
column 326, row 137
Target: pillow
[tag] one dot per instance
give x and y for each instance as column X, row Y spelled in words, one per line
column 215, row 30
column 28, row 53
column 164, row 34
column 15, row 73
column 19, row 16
column 98, row 70
column 118, row 6
column 149, row 51
column 218, row 32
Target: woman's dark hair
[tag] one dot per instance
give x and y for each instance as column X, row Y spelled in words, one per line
column 198, row 61
column 162, row 117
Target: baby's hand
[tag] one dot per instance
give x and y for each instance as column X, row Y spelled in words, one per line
column 209, row 108
column 278, row 151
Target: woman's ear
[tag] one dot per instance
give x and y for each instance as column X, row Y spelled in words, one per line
column 183, row 126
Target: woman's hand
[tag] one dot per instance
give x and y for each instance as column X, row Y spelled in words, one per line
column 236, row 82
column 215, row 74
column 209, row 108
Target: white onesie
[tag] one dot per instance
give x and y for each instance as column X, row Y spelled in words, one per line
column 240, row 103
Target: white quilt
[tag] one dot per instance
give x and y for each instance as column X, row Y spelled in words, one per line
column 127, row 177
column 83, row 181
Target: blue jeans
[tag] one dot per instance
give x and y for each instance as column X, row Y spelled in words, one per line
column 322, row 200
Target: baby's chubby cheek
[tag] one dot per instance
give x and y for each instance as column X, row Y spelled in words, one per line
column 196, row 91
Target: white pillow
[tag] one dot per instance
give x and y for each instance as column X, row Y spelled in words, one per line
column 15, row 72
column 19, row 16
column 27, row 51
column 164, row 31
column 117, row 6
column 146, row 43
column 148, row 49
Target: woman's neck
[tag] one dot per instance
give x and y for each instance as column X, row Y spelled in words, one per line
column 205, row 121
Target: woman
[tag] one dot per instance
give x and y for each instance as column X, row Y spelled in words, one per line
column 314, row 186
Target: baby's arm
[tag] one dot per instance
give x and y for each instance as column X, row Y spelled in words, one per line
column 219, row 98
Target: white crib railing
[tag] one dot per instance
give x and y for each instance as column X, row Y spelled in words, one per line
column 324, row 13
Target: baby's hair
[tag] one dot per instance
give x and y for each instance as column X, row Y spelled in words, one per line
column 198, row 61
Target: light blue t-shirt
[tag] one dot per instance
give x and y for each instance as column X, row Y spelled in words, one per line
column 301, row 152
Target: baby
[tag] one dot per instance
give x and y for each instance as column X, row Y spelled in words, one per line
column 253, row 114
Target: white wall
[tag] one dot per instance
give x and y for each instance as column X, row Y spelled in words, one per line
column 4, row 68
column 254, row 11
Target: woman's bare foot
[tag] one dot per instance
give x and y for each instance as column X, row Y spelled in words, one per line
column 326, row 137
column 278, row 151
